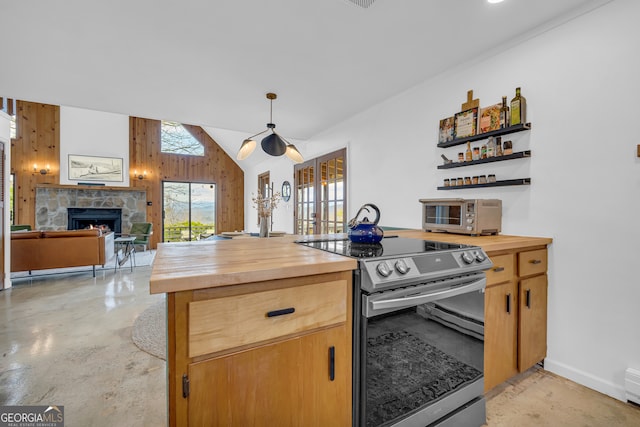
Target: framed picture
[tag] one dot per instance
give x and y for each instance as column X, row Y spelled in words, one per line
column 490, row 118
column 466, row 123
column 446, row 130
column 91, row 168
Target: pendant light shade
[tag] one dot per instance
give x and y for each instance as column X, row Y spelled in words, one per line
column 272, row 144
column 246, row 148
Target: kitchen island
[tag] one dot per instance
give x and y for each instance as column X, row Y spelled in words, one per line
column 259, row 330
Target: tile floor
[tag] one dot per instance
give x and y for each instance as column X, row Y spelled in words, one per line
column 66, row 340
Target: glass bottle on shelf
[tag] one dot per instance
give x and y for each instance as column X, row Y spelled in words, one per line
column 476, row 153
column 504, row 114
column 491, row 147
column 518, row 109
column 498, row 146
column 483, row 151
column 468, row 155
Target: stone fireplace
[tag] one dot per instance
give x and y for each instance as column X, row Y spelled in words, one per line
column 55, row 204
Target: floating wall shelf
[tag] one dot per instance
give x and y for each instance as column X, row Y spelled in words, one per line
column 517, row 155
column 505, row 183
column 499, row 132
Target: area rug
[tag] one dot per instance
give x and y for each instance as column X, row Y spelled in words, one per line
column 404, row 372
column 149, row 331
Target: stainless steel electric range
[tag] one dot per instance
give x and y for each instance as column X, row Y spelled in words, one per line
column 418, row 350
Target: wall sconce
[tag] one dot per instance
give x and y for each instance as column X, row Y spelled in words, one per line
column 140, row 176
column 42, row 171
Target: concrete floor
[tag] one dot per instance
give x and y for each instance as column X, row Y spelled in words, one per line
column 66, row 340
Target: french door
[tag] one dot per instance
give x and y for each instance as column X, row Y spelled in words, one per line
column 320, row 196
column 188, row 211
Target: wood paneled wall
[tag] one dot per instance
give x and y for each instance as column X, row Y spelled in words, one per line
column 38, row 141
column 215, row 166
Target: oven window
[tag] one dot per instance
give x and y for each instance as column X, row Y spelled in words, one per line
column 444, row 215
column 417, row 356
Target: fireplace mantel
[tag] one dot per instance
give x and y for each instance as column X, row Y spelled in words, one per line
column 88, row 187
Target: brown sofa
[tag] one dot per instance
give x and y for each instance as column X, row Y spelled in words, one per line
column 39, row 250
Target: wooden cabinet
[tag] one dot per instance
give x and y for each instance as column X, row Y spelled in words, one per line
column 515, row 313
column 262, row 354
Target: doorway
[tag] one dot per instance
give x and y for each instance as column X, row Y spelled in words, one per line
column 188, row 211
column 320, row 196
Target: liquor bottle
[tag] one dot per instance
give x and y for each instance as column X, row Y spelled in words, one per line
column 468, row 154
column 491, row 147
column 504, row 114
column 518, row 109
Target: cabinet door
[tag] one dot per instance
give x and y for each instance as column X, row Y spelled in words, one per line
column 282, row 384
column 500, row 333
column 533, row 322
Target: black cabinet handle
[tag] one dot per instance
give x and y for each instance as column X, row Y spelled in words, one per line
column 535, row 261
column 498, row 269
column 281, row 312
column 509, row 303
column 332, row 363
column 528, row 297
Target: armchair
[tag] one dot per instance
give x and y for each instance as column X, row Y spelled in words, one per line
column 141, row 231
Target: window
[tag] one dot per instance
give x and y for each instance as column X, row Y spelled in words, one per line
column 189, row 211
column 175, row 139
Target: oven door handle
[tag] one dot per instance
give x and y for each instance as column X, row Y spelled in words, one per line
column 424, row 297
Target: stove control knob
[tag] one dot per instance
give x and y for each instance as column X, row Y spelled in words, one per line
column 467, row 257
column 402, row 267
column 480, row 257
column 384, row 270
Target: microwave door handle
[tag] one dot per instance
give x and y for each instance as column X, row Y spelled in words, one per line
column 425, row 297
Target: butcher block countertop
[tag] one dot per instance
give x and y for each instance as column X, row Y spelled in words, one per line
column 497, row 243
column 209, row 264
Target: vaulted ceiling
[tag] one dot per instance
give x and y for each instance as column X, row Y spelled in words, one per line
column 211, row 62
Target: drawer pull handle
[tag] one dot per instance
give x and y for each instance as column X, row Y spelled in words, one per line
column 332, row 363
column 280, row 312
column 498, row 269
column 528, row 297
column 509, row 303
column 535, row 261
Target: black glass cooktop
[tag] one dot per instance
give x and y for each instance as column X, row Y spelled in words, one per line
column 388, row 247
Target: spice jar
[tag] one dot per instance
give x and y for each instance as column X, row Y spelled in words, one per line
column 474, row 180
column 460, row 182
column 467, row 180
column 483, row 152
column 476, row 153
column 446, row 182
column 482, row 179
column 491, row 178
column 460, row 157
column 507, row 148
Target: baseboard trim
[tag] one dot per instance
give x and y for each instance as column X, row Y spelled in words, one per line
column 583, row 378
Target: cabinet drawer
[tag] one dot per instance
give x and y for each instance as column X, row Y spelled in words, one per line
column 502, row 270
column 532, row 262
column 224, row 323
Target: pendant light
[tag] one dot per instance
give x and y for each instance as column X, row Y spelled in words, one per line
column 272, row 144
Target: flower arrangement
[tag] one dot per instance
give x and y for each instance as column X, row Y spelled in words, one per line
column 265, row 205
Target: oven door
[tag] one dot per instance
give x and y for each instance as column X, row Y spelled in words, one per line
column 422, row 355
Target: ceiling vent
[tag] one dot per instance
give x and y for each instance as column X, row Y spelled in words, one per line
column 362, row 3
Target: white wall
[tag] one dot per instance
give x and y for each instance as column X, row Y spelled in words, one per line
column 5, row 137
column 581, row 84
column 93, row 133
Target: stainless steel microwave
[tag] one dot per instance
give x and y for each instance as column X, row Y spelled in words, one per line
column 462, row 216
